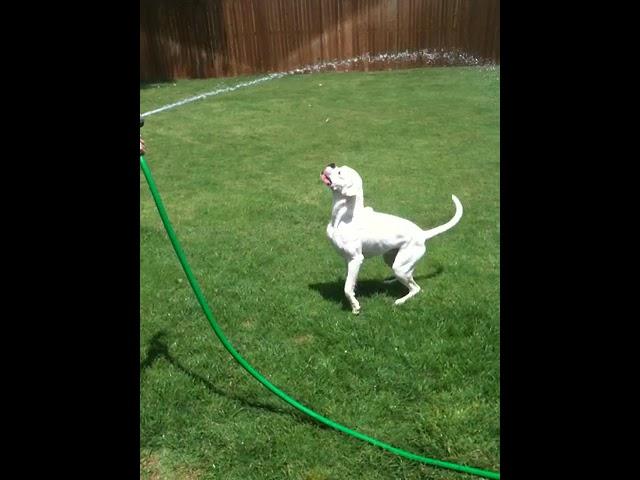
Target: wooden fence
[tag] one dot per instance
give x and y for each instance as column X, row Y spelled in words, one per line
column 216, row 38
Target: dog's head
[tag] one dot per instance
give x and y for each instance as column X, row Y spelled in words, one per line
column 343, row 180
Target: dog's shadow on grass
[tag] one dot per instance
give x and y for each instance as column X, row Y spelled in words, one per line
column 158, row 350
column 334, row 291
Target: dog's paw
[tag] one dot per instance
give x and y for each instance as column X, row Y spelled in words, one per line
column 356, row 310
column 400, row 301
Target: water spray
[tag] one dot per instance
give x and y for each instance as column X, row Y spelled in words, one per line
column 424, row 57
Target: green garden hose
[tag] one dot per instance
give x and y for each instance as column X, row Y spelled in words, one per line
column 216, row 328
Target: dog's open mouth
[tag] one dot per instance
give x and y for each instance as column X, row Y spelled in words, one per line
column 323, row 175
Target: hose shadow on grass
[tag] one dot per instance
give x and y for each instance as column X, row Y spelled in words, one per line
column 367, row 288
column 158, row 350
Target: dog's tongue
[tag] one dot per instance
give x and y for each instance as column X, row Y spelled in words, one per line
column 325, row 179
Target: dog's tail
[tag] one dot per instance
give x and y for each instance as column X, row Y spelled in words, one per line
column 450, row 224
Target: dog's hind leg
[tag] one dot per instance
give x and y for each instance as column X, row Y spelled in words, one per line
column 404, row 266
column 390, row 257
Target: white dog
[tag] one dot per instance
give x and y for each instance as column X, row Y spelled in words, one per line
column 358, row 232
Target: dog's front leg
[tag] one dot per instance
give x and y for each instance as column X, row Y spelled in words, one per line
column 353, row 267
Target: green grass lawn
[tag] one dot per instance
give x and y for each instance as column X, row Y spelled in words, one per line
column 239, row 175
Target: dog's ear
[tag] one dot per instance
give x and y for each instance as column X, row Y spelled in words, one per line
column 353, row 189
